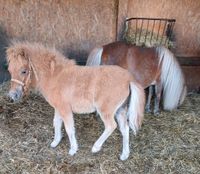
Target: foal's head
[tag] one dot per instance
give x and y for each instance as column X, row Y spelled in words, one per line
column 21, row 70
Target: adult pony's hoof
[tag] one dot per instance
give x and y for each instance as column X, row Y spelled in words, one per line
column 156, row 112
column 147, row 110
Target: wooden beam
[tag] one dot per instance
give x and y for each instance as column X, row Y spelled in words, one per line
column 192, row 78
column 121, row 17
column 189, row 61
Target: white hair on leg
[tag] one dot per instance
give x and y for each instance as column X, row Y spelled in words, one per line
column 57, row 123
column 69, row 127
column 121, row 117
column 107, row 132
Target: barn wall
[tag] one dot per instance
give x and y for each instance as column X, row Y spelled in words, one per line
column 187, row 15
column 74, row 26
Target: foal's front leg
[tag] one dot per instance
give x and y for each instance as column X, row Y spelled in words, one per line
column 57, row 123
column 69, row 127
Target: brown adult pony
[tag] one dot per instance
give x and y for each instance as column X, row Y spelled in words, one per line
column 149, row 66
column 69, row 88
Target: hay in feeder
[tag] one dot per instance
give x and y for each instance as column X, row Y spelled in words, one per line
column 168, row 143
column 147, row 38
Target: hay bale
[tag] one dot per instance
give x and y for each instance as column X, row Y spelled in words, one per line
column 168, row 143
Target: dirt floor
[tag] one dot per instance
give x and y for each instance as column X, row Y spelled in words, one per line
column 168, row 143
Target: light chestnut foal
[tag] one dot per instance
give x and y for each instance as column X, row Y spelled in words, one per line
column 69, row 88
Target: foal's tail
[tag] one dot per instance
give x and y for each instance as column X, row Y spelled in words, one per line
column 94, row 57
column 136, row 106
column 172, row 79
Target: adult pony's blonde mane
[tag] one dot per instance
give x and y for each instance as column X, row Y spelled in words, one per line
column 39, row 55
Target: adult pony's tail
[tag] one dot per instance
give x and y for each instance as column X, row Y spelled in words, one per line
column 136, row 106
column 94, row 57
column 172, row 79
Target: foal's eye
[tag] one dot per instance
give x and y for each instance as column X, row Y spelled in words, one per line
column 24, row 71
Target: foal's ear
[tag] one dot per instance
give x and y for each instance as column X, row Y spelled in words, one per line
column 23, row 53
column 9, row 54
column 14, row 53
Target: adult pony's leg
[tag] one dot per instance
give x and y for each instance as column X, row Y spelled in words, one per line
column 150, row 94
column 57, row 123
column 158, row 91
column 110, row 126
column 121, row 117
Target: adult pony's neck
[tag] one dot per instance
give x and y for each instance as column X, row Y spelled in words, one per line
column 46, row 62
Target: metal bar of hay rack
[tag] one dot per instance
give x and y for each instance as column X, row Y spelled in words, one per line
column 149, row 31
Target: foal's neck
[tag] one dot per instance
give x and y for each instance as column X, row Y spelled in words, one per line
column 49, row 71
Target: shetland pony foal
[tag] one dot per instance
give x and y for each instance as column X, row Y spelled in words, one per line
column 109, row 90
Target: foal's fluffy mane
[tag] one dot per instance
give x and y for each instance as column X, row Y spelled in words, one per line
column 37, row 52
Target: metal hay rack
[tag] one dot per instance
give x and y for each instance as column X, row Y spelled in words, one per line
column 150, row 32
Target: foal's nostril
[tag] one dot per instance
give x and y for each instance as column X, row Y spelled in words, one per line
column 14, row 95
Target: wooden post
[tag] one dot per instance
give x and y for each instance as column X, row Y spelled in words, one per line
column 121, row 17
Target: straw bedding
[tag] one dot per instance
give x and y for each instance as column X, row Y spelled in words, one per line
column 168, row 143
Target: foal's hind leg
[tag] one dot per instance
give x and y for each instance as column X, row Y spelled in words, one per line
column 158, row 90
column 124, row 128
column 110, row 125
column 150, row 94
column 57, row 123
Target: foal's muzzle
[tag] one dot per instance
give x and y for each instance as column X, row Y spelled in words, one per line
column 16, row 94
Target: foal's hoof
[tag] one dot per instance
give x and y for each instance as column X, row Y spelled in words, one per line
column 124, row 157
column 54, row 144
column 72, row 152
column 95, row 149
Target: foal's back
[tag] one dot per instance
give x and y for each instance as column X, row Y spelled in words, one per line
column 142, row 62
column 86, row 86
